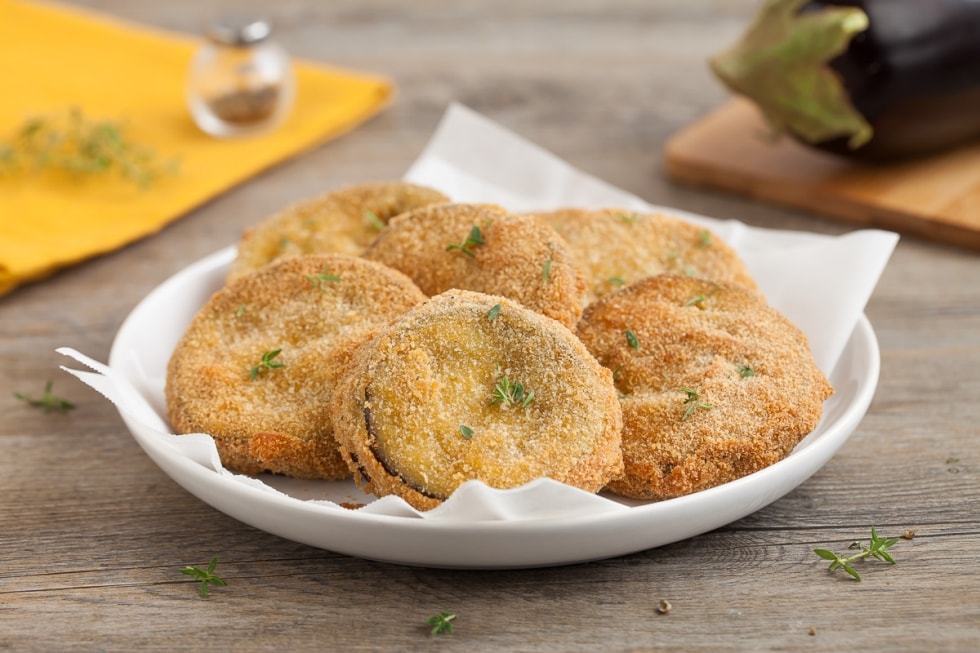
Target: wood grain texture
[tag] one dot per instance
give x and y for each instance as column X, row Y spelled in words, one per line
column 731, row 149
column 92, row 534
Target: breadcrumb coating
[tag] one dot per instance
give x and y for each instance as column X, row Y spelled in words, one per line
column 716, row 384
column 342, row 221
column 615, row 247
column 519, row 257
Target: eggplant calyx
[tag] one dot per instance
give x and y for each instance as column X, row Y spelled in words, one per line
column 782, row 65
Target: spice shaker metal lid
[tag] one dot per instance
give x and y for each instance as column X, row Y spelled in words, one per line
column 239, row 31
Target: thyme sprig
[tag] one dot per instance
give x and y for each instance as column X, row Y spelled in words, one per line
column 81, row 146
column 694, row 402
column 322, row 278
column 876, row 548
column 475, row 239
column 372, row 220
column 266, row 363
column 632, row 340
column 510, row 392
column 205, row 576
column 47, row 402
column 442, row 623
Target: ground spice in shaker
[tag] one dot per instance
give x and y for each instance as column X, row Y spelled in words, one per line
column 241, row 81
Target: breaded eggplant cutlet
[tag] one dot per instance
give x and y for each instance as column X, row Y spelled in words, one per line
column 342, row 221
column 258, row 363
column 484, row 248
column 474, row 386
column 616, row 247
column 716, row 384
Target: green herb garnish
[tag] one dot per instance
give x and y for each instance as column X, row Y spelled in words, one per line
column 506, row 391
column 616, row 281
column 466, row 431
column 632, row 340
column 266, row 363
column 697, row 300
column 319, row 279
column 546, row 270
column 205, row 577
column 877, row 548
column 493, row 312
column 693, row 402
column 704, row 238
column 629, row 218
column 47, row 402
column 240, row 311
column 80, row 146
column 442, row 623
column 745, row 371
column 372, row 220
column 475, row 239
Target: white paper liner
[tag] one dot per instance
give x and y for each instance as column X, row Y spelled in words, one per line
column 820, row 282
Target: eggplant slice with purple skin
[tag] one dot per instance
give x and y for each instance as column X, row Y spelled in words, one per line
column 875, row 80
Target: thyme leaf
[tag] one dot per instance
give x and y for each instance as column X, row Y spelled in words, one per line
column 47, row 402
column 475, row 239
column 876, row 548
column 266, row 363
column 205, row 577
column 80, row 146
column 372, row 220
column 442, row 623
column 693, row 402
column 318, row 280
column 510, row 392
column 632, row 340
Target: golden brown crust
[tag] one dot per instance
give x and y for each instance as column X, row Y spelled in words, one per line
column 696, row 344
column 402, row 409
column 520, row 258
column 616, row 247
column 342, row 221
column 315, row 309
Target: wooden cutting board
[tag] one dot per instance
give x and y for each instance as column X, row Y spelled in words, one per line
column 731, row 149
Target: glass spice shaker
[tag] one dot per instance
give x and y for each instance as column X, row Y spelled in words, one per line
column 241, row 81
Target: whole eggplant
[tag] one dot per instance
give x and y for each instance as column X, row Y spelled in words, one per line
column 879, row 80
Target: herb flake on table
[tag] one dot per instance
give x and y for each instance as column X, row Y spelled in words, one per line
column 48, row 402
column 205, row 576
column 442, row 623
column 877, row 548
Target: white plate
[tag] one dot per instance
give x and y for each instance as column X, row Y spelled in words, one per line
column 142, row 348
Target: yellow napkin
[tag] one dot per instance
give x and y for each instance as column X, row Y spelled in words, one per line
column 53, row 58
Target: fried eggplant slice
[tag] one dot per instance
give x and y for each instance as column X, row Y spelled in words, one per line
column 716, row 384
column 474, row 386
column 484, row 248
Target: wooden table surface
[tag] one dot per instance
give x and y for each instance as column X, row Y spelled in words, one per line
column 93, row 534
